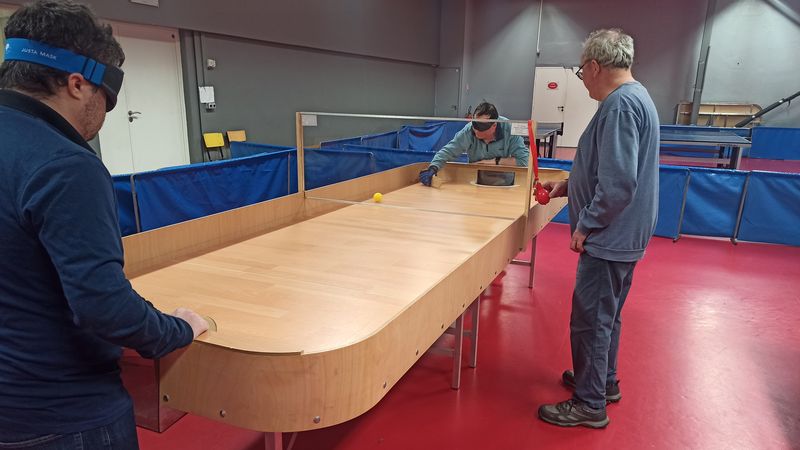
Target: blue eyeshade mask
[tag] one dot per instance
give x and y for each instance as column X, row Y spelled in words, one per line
column 109, row 78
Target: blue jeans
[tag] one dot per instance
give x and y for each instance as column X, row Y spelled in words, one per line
column 118, row 435
column 601, row 287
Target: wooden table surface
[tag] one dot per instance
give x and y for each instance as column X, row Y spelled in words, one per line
column 336, row 279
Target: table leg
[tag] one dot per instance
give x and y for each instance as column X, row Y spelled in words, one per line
column 475, row 311
column 736, row 157
column 459, row 345
column 531, row 263
column 273, row 441
column 553, row 140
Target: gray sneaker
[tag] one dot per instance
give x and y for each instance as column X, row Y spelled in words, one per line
column 613, row 394
column 572, row 413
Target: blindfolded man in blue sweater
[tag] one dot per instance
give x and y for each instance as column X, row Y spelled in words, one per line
column 483, row 142
column 66, row 308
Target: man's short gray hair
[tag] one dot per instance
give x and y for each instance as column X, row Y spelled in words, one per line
column 610, row 48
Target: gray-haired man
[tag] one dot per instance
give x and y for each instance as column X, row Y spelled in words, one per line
column 613, row 205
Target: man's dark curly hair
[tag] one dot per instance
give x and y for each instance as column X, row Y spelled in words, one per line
column 58, row 23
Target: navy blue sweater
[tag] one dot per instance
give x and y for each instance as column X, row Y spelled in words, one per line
column 65, row 304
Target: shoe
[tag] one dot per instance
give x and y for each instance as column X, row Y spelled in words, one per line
column 572, row 413
column 613, row 394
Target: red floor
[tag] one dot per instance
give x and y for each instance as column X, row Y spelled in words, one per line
column 710, row 359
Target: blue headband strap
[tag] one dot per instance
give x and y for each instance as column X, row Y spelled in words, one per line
column 64, row 60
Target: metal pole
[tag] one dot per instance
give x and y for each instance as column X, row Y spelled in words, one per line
column 768, row 109
column 136, row 217
column 702, row 63
column 457, row 348
column 539, row 29
column 741, row 209
column 532, row 263
column 683, row 205
column 301, row 175
column 475, row 309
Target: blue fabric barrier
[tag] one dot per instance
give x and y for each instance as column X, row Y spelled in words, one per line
column 712, row 203
column 384, row 140
column 324, row 166
column 772, row 208
column 244, row 149
column 549, row 163
column 776, row 143
column 671, row 183
column 174, row 195
column 389, row 158
column 450, row 129
column 125, row 209
column 672, row 180
column 562, row 216
column 562, row 164
column 338, row 143
column 429, row 138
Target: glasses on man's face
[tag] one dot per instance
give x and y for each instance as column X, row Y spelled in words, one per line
column 579, row 72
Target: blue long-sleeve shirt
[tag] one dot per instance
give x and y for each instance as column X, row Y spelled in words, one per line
column 613, row 185
column 505, row 145
column 65, row 304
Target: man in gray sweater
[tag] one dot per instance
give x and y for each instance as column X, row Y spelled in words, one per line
column 613, row 206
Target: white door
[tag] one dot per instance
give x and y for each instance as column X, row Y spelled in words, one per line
column 549, row 94
column 448, row 85
column 115, row 138
column 147, row 129
column 579, row 109
column 559, row 96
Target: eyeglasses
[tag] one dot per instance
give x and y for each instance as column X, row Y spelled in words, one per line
column 579, row 72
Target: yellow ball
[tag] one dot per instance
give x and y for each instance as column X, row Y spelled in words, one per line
column 377, row 197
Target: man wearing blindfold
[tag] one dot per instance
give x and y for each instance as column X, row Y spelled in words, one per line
column 484, row 143
column 66, row 308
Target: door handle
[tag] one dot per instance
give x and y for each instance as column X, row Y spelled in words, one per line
column 133, row 115
column 561, row 108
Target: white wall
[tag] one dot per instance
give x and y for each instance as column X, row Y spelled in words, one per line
column 406, row 30
column 500, row 55
column 260, row 86
column 755, row 56
column 755, row 49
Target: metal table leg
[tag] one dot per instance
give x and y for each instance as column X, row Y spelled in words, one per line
column 273, row 441
column 683, row 206
column 457, row 348
column 736, row 157
column 459, row 332
column 741, row 209
column 531, row 263
column 475, row 310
